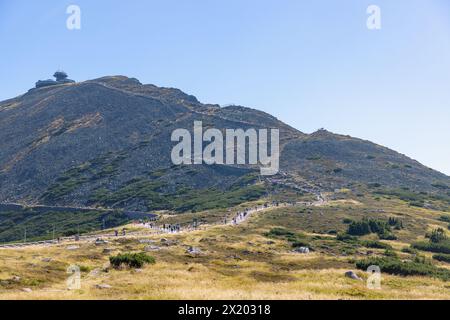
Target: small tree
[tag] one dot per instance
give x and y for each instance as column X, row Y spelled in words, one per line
column 438, row 235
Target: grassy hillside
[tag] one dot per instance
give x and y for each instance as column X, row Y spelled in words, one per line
column 255, row 260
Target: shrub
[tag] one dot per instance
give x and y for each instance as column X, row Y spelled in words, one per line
column 390, row 253
column 445, row 218
column 392, row 265
column 396, row 223
column 409, row 250
column 438, row 235
column 345, row 237
column 132, row 260
column 367, row 226
column 441, row 247
column 375, row 244
column 442, row 257
column 280, row 232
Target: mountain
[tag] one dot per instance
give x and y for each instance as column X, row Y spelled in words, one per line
column 106, row 142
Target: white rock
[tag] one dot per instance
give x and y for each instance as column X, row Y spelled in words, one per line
column 302, row 250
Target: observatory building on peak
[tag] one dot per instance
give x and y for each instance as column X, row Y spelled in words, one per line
column 60, row 76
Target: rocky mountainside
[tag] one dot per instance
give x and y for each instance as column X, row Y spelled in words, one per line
column 107, row 142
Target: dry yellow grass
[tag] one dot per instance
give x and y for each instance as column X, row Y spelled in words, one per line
column 237, row 263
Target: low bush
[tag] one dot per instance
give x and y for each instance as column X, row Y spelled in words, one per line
column 438, row 235
column 442, row 257
column 441, row 247
column 375, row 244
column 132, row 260
column 392, row 265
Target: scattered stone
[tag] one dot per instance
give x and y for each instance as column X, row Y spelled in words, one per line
column 103, row 286
column 152, row 248
column 352, row 275
column 95, row 272
column 163, row 240
column 108, row 250
column 99, row 242
column 304, row 250
column 146, row 241
column 193, row 250
column 138, row 270
column 15, row 278
column 270, row 242
column 26, row 290
column 46, row 259
column 73, row 247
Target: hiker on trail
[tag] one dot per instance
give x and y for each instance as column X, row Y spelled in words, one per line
column 124, row 232
column 116, row 233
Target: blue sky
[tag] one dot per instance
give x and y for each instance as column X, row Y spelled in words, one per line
column 310, row 63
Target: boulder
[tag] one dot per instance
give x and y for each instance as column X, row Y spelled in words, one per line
column 152, row 248
column 100, row 242
column 26, row 290
column 304, row 250
column 102, row 286
column 193, row 250
column 352, row 275
column 73, row 247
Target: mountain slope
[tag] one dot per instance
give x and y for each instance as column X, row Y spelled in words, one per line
column 107, row 142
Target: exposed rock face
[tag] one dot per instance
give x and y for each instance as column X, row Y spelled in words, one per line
column 82, row 144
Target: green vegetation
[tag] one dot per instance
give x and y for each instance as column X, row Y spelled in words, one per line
column 418, row 267
column 442, row 257
column 417, row 199
column 368, row 226
column 157, row 196
column 296, row 239
column 40, row 225
column 441, row 247
column 438, row 235
column 102, row 167
column 438, row 242
column 131, row 260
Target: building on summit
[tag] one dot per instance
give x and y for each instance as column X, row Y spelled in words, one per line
column 61, row 78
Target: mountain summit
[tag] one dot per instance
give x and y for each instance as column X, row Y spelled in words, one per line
column 107, row 142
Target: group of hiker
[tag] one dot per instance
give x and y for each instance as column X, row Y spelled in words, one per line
column 124, row 232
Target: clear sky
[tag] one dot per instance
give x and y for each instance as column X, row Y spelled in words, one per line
column 311, row 63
